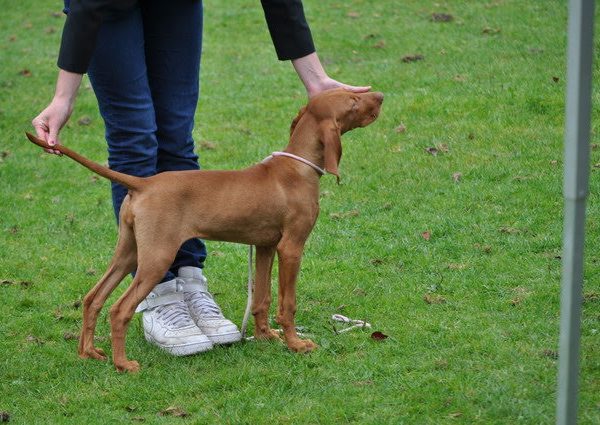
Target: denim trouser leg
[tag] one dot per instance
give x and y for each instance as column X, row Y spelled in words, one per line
column 145, row 73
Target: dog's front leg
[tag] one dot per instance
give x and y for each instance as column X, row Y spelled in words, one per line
column 290, row 254
column 262, row 293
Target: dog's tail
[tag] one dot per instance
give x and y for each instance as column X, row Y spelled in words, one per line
column 131, row 182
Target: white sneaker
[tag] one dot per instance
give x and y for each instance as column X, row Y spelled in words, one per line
column 167, row 322
column 204, row 310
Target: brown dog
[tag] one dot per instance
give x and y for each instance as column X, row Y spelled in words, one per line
column 272, row 205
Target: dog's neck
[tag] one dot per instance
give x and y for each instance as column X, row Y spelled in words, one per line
column 305, row 141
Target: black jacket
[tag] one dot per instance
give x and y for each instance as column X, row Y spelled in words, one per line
column 285, row 18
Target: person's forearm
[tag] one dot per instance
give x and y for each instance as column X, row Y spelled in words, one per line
column 310, row 71
column 67, row 85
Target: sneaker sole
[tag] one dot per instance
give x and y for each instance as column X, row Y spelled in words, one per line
column 182, row 349
column 224, row 339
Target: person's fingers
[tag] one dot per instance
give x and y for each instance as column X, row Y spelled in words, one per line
column 357, row 89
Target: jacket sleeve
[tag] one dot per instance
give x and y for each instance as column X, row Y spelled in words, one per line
column 288, row 28
column 81, row 31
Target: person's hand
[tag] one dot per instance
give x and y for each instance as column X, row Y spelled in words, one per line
column 329, row 83
column 315, row 78
column 52, row 119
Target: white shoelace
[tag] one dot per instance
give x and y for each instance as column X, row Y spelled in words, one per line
column 204, row 304
column 175, row 314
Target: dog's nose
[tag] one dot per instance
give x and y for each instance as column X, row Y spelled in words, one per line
column 378, row 96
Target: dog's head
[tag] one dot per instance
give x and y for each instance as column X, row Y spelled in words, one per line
column 336, row 112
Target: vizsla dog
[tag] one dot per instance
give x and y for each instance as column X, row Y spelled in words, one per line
column 272, row 205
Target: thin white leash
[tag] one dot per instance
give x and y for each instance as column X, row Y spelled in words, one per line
column 249, row 302
column 353, row 323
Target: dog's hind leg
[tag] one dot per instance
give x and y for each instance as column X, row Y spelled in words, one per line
column 262, row 293
column 123, row 262
column 154, row 259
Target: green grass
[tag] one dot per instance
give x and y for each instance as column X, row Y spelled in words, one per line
column 489, row 95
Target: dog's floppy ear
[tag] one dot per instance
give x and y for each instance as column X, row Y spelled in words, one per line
column 332, row 147
column 295, row 121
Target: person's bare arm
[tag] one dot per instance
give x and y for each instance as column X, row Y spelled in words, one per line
column 315, row 79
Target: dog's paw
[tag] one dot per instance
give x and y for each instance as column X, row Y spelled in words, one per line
column 302, row 345
column 128, row 366
column 268, row 335
column 92, row 353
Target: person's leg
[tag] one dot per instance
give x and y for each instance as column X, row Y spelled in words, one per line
column 173, row 36
column 119, row 77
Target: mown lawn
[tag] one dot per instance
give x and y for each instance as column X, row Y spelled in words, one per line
column 445, row 233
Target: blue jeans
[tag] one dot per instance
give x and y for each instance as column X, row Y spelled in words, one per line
column 145, row 74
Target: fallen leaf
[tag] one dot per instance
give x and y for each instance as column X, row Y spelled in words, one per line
column 550, row 353
column 208, row 146
column 34, row 339
column 442, row 147
column 364, row 383
column 509, row 230
column 174, row 411
column 456, row 177
column 130, row 408
column 4, row 416
column 471, row 136
column 412, row 58
column 379, row 45
column 431, row 150
column 485, row 248
column 70, row 336
column 4, row 154
column 91, row 271
column 25, row 73
column 376, row 261
column 594, row 146
column 591, row 297
column 434, row 299
column 56, row 14
column 85, row 120
column 378, row 336
column 441, row 364
column 13, row 229
column 346, row 214
column 76, row 304
column 138, row 419
column 401, row 128
column 555, row 79
column 426, row 235
column 370, row 36
column 353, row 15
column 442, row 17
column 455, row 415
column 28, row 25
column 553, row 162
column 489, row 30
column 12, row 38
column 459, row 78
column 359, row 291
column 50, row 30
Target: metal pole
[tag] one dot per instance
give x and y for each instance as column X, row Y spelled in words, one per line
column 576, row 175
